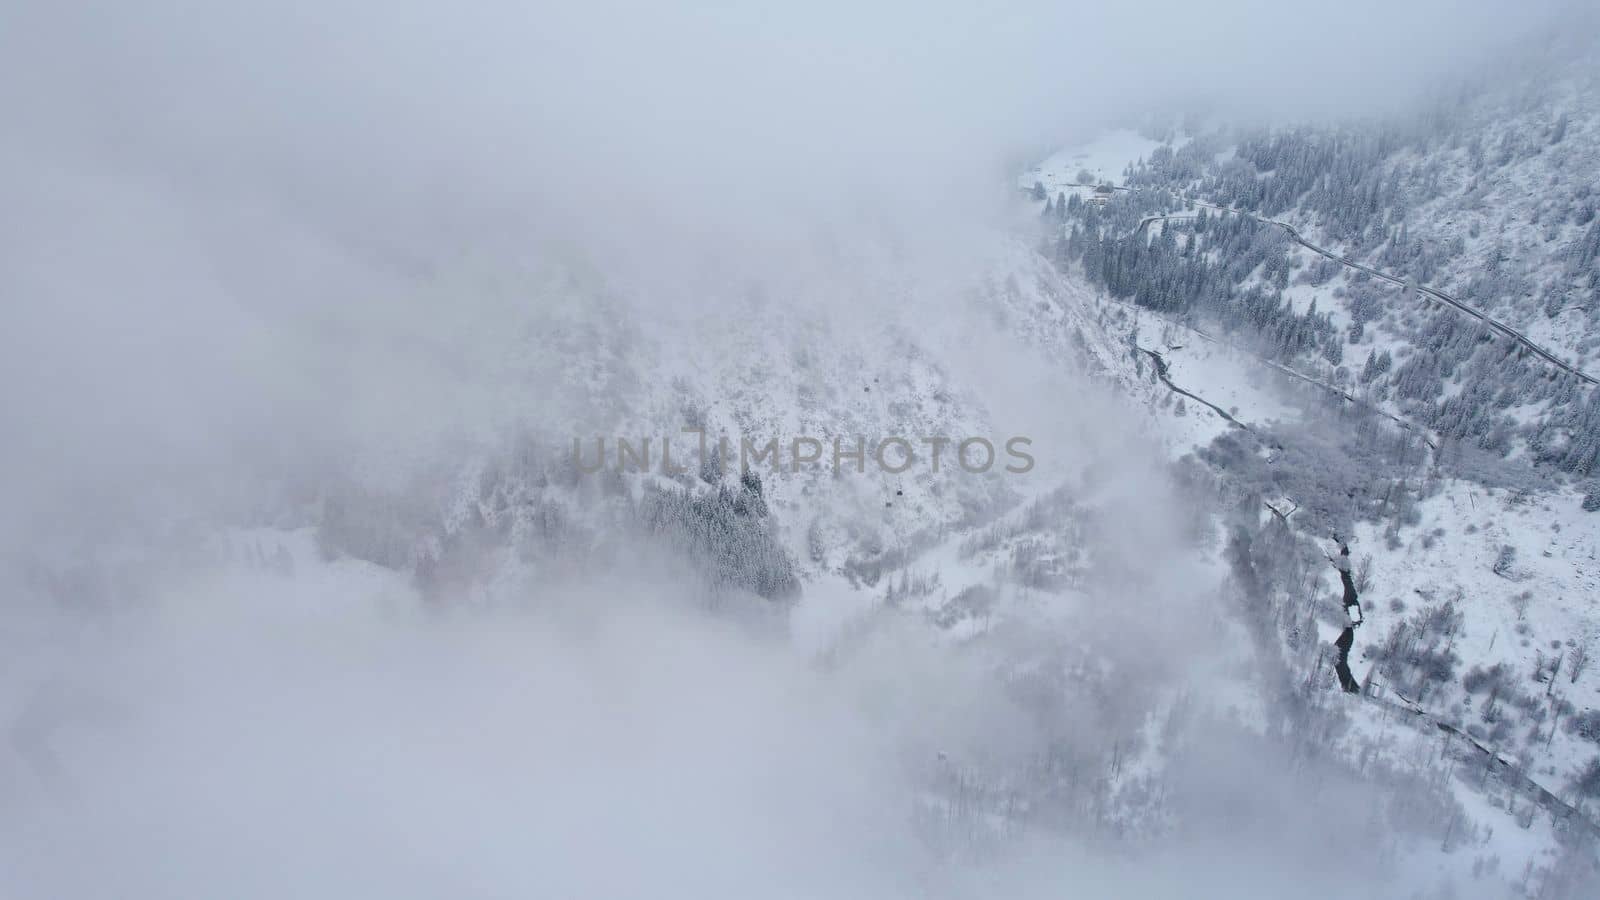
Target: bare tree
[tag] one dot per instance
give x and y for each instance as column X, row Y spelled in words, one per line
column 1580, row 655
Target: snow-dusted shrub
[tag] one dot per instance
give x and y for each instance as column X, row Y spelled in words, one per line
column 1586, row 725
column 1591, row 498
column 1505, row 560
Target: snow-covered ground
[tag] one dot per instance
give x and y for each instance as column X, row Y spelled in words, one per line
column 1543, row 605
column 1105, row 157
column 1228, row 378
column 1540, row 607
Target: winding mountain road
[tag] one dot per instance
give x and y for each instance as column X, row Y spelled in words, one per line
column 1495, row 325
column 1492, row 323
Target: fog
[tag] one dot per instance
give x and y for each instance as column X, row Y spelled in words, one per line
column 252, row 245
column 613, row 745
column 204, row 204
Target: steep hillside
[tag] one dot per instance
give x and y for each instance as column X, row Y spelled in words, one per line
column 632, row 450
column 1486, row 199
column 1034, row 673
column 1318, row 399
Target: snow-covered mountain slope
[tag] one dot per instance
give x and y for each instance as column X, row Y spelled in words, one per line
column 1458, row 548
column 1024, row 595
column 1007, row 633
column 530, row 452
column 1043, row 648
column 1269, row 237
column 1516, row 575
column 1104, row 159
column 803, row 383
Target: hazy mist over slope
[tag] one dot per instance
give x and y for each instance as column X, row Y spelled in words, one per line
column 201, row 196
column 247, row 249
